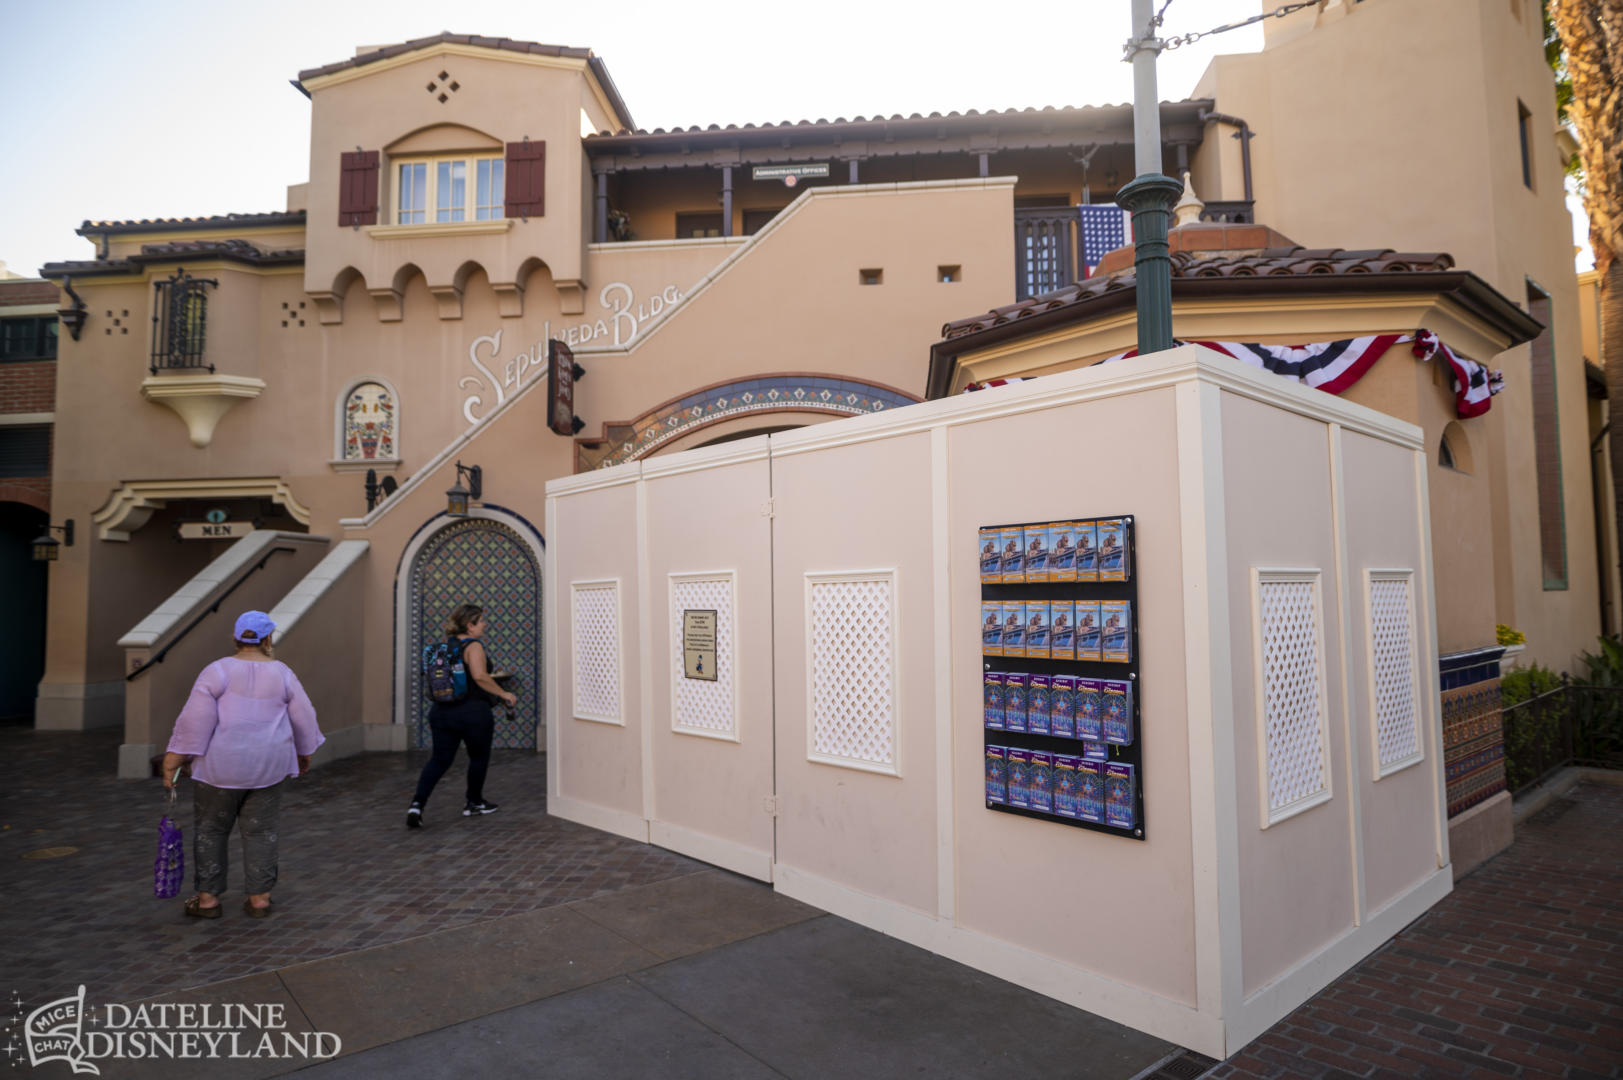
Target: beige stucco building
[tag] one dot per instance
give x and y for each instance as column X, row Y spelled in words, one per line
column 470, row 199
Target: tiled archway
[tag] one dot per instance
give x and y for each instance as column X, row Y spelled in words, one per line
column 486, row 562
column 788, row 393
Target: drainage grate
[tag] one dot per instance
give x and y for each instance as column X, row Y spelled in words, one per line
column 49, row 852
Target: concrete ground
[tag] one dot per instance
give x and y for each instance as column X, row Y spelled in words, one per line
column 520, row 945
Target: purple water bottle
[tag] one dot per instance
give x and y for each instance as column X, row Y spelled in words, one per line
column 170, row 865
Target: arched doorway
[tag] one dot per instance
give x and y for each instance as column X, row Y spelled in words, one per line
column 22, row 598
column 484, row 561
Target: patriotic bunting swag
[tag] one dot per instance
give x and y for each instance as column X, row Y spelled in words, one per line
column 1333, row 366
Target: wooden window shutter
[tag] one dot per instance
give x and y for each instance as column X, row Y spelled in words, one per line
column 526, row 179
column 358, row 188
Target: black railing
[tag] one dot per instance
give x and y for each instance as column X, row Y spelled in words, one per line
column 1044, row 250
column 180, row 323
column 1231, row 212
column 1569, row 725
column 206, row 612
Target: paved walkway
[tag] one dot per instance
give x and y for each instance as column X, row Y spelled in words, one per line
column 1518, row 972
column 352, row 874
column 521, row 945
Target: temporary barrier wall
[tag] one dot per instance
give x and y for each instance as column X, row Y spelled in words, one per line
column 1289, row 731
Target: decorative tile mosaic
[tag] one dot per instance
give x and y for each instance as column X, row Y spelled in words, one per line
column 369, row 423
column 482, row 562
column 1473, row 743
column 767, row 394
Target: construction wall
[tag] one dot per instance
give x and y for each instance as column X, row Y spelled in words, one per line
column 1290, row 736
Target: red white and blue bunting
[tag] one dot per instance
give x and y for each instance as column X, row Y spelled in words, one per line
column 1333, row 366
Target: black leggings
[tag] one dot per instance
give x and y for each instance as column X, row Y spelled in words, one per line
column 468, row 722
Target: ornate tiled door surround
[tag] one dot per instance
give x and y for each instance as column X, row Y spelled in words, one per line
column 480, row 561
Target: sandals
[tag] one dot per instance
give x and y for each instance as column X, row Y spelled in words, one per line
column 256, row 912
column 193, row 907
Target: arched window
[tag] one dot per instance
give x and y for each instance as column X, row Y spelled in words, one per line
column 369, row 423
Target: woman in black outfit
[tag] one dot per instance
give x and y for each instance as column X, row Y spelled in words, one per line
column 466, row 721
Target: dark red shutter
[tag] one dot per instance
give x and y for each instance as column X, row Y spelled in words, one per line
column 358, row 188
column 526, row 179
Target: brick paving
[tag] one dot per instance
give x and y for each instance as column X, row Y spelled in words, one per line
column 352, row 874
column 1518, row 972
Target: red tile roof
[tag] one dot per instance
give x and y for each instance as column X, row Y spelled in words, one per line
column 1266, row 263
column 240, row 251
column 531, row 48
column 971, row 117
column 216, row 221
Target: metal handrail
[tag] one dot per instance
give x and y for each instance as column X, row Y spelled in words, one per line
column 210, row 610
column 1569, row 711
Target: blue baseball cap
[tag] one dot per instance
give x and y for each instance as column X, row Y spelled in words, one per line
column 253, row 626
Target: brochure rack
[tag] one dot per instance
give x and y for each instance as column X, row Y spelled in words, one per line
column 1077, row 591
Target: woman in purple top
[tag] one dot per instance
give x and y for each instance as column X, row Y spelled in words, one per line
column 247, row 726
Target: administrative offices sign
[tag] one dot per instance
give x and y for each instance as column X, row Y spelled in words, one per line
column 791, row 174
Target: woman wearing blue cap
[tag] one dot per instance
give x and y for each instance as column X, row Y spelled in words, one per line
column 247, row 726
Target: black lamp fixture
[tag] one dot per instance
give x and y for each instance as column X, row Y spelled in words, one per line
column 47, row 548
column 457, row 496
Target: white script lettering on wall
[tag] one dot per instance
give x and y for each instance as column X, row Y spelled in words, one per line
column 623, row 318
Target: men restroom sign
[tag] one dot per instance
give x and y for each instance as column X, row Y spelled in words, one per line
column 214, row 526
column 699, row 644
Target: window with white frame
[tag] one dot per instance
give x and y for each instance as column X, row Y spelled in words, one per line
column 450, row 189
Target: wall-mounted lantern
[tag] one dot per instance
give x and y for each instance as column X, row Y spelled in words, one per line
column 457, row 496
column 47, row 548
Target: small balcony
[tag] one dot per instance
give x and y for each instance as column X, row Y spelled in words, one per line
column 181, row 379
column 180, row 323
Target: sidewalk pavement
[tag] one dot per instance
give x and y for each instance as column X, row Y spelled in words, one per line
column 520, row 945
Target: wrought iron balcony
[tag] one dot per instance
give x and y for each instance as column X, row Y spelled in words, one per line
column 179, row 323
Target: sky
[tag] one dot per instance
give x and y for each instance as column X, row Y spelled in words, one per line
column 179, row 108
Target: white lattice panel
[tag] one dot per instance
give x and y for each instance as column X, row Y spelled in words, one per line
column 1293, row 692
column 596, row 635
column 851, row 669
column 1397, row 703
column 699, row 705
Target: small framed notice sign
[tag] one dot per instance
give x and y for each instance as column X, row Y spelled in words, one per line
column 699, row 644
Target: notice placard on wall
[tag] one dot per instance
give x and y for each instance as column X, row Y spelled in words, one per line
column 699, row 644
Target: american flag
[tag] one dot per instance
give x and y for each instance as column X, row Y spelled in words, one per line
column 1105, row 228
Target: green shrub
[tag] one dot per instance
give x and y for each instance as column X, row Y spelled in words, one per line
column 1605, row 668
column 1510, row 636
column 1600, row 712
column 1533, row 741
column 1521, row 684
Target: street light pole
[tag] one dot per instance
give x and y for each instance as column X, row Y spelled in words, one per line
column 1150, row 195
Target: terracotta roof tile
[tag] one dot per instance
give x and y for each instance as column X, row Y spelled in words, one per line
column 215, row 221
column 240, row 251
column 533, row 48
column 1059, row 112
column 530, row 48
column 1268, row 262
